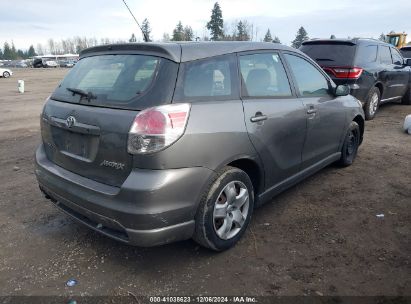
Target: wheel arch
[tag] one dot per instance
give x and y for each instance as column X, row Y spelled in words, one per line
column 360, row 121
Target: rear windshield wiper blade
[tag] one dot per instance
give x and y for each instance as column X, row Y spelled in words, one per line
column 88, row 95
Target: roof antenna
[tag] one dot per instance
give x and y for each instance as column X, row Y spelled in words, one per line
column 144, row 34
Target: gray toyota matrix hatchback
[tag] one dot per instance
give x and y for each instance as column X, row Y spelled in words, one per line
column 154, row 143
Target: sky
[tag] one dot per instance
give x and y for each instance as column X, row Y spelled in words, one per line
column 28, row 22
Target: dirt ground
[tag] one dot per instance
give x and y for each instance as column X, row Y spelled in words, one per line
column 321, row 237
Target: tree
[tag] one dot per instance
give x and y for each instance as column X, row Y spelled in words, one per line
column 299, row 38
column 166, row 37
column 188, row 33
column 242, row 31
column 31, row 52
column 382, row 37
column 1, row 54
column 146, row 29
column 216, row 23
column 178, row 32
column 333, row 37
column 132, row 38
column 267, row 37
column 276, row 39
column 7, row 52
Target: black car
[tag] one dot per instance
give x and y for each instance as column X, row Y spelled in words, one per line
column 406, row 51
column 375, row 71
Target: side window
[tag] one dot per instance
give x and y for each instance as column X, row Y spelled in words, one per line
column 208, row 79
column 367, row 54
column 385, row 55
column 396, row 57
column 264, row 76
column 309, row 80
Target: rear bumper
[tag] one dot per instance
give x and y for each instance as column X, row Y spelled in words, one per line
column 152, row 207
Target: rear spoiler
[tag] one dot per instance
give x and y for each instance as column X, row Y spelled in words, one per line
column 328, row 41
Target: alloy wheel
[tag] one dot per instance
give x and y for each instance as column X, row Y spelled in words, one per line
column 230, row 210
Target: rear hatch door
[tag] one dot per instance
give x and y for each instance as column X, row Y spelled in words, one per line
column 331, row 54
column 85, row 123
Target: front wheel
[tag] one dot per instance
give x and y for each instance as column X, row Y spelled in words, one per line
column 350, row 146
column 225, row 210
column 6, row 74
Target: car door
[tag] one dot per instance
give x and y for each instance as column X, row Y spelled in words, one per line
column 275, row 118
column 401, row 74
column 325, row 114
column 387, row 73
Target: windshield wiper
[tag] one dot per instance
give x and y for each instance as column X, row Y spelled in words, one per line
column 88, row 95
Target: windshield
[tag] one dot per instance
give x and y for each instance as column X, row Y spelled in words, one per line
column 330, row 54
column 117, row 81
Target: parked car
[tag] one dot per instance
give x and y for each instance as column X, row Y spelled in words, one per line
column 406, row 51
column 155, row 143
column 5, row 73
column 375, row 71
column 66, row 63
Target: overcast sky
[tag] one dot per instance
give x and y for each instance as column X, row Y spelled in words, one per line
column 31, row 22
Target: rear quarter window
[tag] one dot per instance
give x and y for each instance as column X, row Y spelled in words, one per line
column 366, row 54
column 208, row 79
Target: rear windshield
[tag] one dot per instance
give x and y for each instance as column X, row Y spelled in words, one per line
column 121, row 81
column 406, row 53
column 330, row 54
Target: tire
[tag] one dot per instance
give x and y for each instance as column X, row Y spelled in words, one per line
column 406, row 99
column 6, row 74
column 350, row 146
column 372, row 103
column 215, row 212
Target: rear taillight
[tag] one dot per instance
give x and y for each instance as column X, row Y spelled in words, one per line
column 344, row 72
column 157, row 128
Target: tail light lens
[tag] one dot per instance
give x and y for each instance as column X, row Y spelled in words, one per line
column 156, row 128
column 344, row 72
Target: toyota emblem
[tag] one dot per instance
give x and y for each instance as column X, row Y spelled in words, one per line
column 70, row 121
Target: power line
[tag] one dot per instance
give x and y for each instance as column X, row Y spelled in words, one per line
column 144, row 34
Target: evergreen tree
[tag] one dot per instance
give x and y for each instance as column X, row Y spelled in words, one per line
column 178, row 32
column 276, row 39
column 333, row 37
column 132, row 38
column 7, row 52
column 216, row 23
column 242, row 31
column 1, row 54
column 188, row 33
column 267, row 37
column 299, row 38
column 145, row 26
column 382, row 37
column 31, row 52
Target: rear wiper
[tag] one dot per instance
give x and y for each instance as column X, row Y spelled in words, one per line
column 323, row 59
column 88, row 95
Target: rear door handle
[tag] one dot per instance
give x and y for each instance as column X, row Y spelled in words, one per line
column 258, row 117
column 311, row 109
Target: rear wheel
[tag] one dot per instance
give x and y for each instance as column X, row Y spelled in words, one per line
column 406, row 99
column 351, row 144
column 372, row 103
column 225, row 210
column 6, row 74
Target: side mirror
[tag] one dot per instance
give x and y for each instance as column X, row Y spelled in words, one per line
column 408, row 61
column 342, row 90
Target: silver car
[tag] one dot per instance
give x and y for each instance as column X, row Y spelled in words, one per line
column 154, row 143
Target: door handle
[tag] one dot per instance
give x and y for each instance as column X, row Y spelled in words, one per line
column 311, row 110
column 258, row 117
